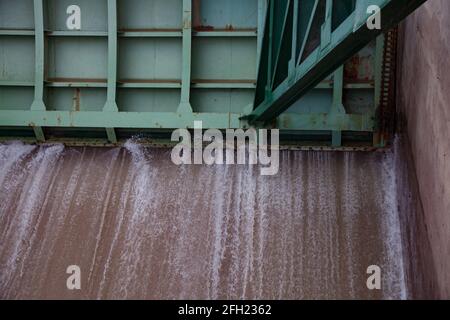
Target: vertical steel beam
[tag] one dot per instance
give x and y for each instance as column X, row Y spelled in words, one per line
column 338, row 83
column 308, row 30
column 270, row 55
column 279, row 45
column 111, row 105
column 262, row 14
column 185, row 104
column 326, row 27
column 292, row 62
column 337, row 108
column 38, row 103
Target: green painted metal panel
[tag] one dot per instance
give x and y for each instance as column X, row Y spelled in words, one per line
column 148, row 65
column 156, row 14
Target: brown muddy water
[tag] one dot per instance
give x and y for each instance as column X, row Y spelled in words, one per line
column 140, row 227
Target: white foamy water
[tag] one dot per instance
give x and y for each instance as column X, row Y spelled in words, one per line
column 140, row 227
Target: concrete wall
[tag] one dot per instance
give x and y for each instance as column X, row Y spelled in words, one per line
column 420, row 270
column 424, row 108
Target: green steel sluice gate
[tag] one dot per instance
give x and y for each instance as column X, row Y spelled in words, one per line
column 101, row 71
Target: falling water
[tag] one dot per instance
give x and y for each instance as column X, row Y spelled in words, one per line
column 140, row 227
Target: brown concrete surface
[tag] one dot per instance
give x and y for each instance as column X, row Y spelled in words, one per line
column 424, row 105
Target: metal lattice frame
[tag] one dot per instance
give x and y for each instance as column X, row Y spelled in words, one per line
column 297, row 56
column 299, row 44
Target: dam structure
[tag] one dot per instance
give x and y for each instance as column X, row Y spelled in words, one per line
column 96, row 95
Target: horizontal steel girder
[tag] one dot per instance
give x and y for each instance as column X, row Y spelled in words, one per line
column 334, row 49
column 169, row 120
column 102, row 119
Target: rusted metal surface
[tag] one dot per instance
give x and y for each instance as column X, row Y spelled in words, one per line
column 386, row 109
column 151, row 30
column 79, row 80
column 360, row 68
column 178, row 81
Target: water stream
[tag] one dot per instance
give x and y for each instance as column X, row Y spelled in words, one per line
column 140, row 227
